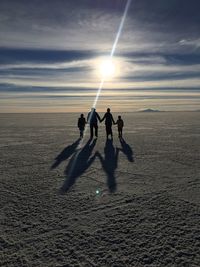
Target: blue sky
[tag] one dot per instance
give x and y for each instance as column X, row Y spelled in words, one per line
column 50, row 53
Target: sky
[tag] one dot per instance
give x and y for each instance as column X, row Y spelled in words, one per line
column 51, row 53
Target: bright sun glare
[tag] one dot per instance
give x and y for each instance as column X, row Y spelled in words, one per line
column 107, row 68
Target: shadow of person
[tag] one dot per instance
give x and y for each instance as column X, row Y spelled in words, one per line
column 78, row 164
column 65, row 154
column 109, row 163
column 127, row 150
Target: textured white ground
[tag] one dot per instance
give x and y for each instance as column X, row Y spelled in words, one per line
column 147, row 212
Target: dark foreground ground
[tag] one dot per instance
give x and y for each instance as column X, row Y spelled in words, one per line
column 103, row 204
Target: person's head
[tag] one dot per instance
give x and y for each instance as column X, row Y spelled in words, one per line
column 119, row 117
column 108, row 110
column 93, row 109
column 82, row 115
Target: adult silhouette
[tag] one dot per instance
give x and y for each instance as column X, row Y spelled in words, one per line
column 108, row 122
column 92, row 119
column 78, row 164
column 109, row 163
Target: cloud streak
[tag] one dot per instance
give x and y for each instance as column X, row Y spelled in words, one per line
column 49, row 47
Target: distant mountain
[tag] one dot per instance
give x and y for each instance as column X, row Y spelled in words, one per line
column 150, row 110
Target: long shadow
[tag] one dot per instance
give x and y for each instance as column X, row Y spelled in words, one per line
column 65, row 154
column 127, row 150
column 78, row 164
column 109, row 163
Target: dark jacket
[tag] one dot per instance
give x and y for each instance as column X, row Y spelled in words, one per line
column 120, row 123
column 93, row 117
column 81, row 123
column 108, row 119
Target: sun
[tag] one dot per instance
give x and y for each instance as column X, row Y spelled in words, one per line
column 107, row 68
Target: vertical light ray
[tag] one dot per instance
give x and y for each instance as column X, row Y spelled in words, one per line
column 111, row 55
column 113, row 49
column 98, row 92
column 120, row 28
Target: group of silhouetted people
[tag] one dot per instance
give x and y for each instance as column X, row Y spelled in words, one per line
column 93, row 118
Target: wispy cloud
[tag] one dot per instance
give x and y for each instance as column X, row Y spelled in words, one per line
column 53, row 47
column 190, row 42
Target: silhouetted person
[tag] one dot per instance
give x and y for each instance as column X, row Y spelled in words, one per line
column 120, row 125
column 108, row 122
column 92, row 119
column 81, row 125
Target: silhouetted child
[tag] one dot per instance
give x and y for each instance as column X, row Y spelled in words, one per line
column 81, row 125
column 120, row 125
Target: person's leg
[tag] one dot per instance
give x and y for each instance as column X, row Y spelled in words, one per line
column 81, row 133
column 96, row 130
column 111, row 131
column 91, row 130
column 107, row 131
column 119, row 132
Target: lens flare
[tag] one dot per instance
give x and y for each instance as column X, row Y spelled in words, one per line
column 97, row 192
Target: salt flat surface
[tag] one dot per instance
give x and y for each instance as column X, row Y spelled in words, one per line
column 146, row 211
